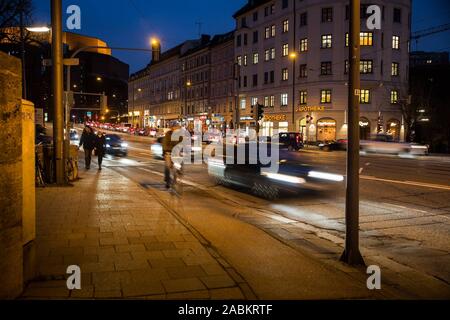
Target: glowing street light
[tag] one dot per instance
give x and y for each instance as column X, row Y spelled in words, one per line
column 42, row 29
column 99, row 79
column 293, row 55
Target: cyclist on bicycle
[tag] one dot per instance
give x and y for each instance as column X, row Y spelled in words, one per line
column 168, row 146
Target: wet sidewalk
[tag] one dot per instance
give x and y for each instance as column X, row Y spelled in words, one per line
column 126, row 244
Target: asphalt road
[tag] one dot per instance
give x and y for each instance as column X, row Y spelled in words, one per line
column 404, row 208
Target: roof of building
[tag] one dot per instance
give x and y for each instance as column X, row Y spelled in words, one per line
column 252, row 4
column 222, row 38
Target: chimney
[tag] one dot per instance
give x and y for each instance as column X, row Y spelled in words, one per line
column 156, row 50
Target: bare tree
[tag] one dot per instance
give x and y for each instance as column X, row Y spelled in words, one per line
column 11, row 12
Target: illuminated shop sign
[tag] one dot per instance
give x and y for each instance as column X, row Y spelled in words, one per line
column 310, row 109
column 275, row 117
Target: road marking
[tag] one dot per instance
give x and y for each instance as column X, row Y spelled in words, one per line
column 410, row 183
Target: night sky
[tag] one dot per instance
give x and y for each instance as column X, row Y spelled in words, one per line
column 130, row 23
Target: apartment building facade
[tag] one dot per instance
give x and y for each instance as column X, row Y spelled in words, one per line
column 293, row 59
column 222, row 98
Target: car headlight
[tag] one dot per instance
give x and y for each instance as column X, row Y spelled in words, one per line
column 108, row 145
column 325, row 176
column 283, row 177
column 124, row 145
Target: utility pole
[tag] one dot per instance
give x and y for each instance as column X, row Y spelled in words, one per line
column 351, row 254
column 22, row 51
column 57, row 84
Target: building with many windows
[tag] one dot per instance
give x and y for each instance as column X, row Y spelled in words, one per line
column 192, row 84
column 293, row 59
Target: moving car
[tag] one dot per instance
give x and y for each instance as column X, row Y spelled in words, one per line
column 157, row 150
column 291, row 176
column 74, row 137
column 338, row 145
column 291, row 140
column 385, row 144
column 115, row 145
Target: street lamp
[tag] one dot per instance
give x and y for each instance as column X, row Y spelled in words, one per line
column 42, row 29
column 188, row 84
column 293, row 57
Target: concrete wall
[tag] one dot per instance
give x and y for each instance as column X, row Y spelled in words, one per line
column 11, row 183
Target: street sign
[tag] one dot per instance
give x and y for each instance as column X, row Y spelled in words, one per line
column 67, row 62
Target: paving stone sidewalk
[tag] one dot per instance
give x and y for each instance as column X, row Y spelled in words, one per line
column 126, row 244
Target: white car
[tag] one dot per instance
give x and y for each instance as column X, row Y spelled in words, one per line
column 385, row 144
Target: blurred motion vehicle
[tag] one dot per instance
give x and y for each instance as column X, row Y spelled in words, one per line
column 115, row 145
column 157, row 149
column 291, row 176
column 291, row 140
column 74, row 137
column 385, row 144
column 338, row 145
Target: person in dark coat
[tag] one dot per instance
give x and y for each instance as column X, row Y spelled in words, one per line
column 87, row 140
column 100, row 148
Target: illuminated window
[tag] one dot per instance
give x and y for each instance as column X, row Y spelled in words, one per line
column 326, row 41
column 364, row 96
column 395, row 42
column 255, row 58
column 285, row 26
column 267, row 33
column 394, row 69
column 272, row 101
column 365, row 38
column 366, row 66
column 285, row 50
column 245, row 60
column 394, row 96
column 284, row 99
column 304, row 45
column 325, row 96
column 267, row 55
column 303, row 97
column 272, row 53
column 243, row 103
column 254, row 101
column 266, row 102
column 239, row 60
column 272, row 31
column 285, row 74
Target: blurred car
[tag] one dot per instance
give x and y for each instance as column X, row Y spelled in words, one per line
column 291, row 140
column 291, row 176
column 338, row 145
column 385, row 144
column 115, row 145
column 157, row 150
column 74, row 137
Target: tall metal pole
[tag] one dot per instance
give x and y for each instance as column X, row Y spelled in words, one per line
column 351, row 253
column 57, row 84
column 22, row 51
column 293, row 92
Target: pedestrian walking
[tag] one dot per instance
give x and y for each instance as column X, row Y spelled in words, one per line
column 87, row 140
column 100, row 148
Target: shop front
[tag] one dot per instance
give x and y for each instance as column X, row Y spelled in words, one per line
column 271, row 122
column 364, row 128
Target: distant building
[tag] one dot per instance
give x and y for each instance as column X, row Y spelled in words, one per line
column 98, row 72
column 430, row 101
column 183, row 85
column 269, row 31
column 420, row 58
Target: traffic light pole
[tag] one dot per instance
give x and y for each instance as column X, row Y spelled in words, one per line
column 57, row 84
column 352, row 255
